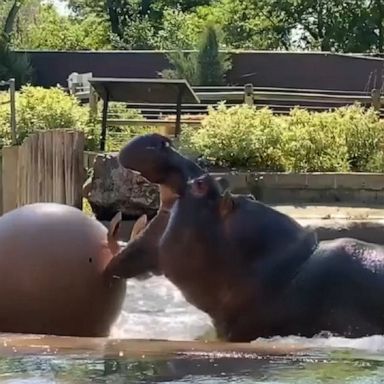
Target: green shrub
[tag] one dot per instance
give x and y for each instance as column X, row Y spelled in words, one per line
column 240, row 136
column 313, row 142
column 5, row 133
column 364, row 134
column 39, row 108
column 348, row 139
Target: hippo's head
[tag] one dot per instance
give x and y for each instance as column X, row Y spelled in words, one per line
column 153, row 156
column 208, row 192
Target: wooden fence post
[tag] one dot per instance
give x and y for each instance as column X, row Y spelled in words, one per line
column 376, row 99
column 93, row 99
column 9, row 179
column 12, row 94
column 248, row 94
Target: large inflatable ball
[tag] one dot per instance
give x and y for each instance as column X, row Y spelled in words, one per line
column 52, row 259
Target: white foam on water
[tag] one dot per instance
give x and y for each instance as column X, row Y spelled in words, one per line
column 156, row 309
column 372, row 344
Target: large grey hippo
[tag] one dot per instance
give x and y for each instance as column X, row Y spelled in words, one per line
column 254, row 270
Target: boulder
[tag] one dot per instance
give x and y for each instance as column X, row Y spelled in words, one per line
column 112, row 188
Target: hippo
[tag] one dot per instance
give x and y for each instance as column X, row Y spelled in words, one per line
column 52, row 262
column 157, row 160
column 255, row 271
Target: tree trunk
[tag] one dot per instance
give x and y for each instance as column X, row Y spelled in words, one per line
column 114, row 19
column 11, row 17
column 380, row 25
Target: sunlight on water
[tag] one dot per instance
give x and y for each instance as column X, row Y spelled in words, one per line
column 155, row 309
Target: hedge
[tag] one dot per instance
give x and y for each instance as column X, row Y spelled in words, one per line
column 347, row 139
column 39, row 108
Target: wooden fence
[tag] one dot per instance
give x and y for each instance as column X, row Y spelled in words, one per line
column 47, row 167
column 279, row 100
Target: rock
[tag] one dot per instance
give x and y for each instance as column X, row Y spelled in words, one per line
column 113, row 188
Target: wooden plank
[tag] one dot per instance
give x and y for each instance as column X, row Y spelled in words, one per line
column 120, row 122
column 48, row 166
column 78, row 169
column 67, row 174
column 10, row 160
column 34, row 169
column 20, row 178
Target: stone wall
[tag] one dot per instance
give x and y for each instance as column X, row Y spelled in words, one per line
column 310, row 188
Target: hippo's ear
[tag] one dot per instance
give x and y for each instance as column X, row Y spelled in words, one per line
column 139, row 226
column 114, row 226
column 227, row 204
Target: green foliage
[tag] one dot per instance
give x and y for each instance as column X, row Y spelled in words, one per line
column 49, row 30
column 211, row 64
column 207, row 66
column 314, row 142
column 340, row 25
column 240, row 136
column 39, row 108
column 42, row 109
column 348, row 139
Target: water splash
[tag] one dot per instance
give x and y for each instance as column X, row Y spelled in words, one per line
column 155, row 309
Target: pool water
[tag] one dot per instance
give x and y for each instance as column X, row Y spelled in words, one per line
column 154, row 309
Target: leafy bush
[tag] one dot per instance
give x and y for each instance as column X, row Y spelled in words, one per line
column 240, row 136
column 364, row 134
column 314, row 142
column 348, row 139
column 39, row 108
column 42, row 109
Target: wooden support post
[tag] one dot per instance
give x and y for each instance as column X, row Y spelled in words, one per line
column 93, row 99
column 178, row 111
column 103, row 137
column 248, row 94
column 12, row 94
column 376, row 99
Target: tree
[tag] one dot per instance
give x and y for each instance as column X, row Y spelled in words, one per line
column 339, row 25
column 206, row 67
column 49, row 30
column 133, row 23
column 211, row 64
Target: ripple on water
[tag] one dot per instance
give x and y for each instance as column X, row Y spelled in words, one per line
column 155, row 309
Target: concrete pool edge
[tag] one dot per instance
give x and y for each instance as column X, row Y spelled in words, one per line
column 137, row 348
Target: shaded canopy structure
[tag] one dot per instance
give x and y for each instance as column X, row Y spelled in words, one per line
column 143, row 91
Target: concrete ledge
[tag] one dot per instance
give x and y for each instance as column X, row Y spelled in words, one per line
column 309, row 187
